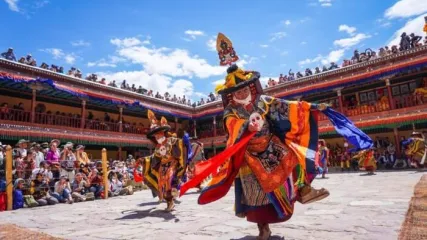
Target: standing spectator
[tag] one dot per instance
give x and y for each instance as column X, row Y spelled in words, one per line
column 39, row 155
column 82, row 157
column 62, row 190
column 9, row 55
column 20, row 156
column 123, row 86
column 68, row 160
column 106, row 117
column 52, row 158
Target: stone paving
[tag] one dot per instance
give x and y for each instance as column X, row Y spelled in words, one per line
column 359, row 207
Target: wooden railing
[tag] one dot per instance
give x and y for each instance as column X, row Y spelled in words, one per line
column 16, row 115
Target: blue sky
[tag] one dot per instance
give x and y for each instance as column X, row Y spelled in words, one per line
column 167, row 45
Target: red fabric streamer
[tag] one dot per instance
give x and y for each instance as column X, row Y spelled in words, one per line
column 205, row 168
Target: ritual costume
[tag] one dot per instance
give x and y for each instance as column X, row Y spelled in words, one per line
column 270, row 153
column 416, row 149
column 345, row 158
column 323, row 157
column 367, row 160
column 196, row 156
column 164, row 169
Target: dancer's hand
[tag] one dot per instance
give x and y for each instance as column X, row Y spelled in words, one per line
column 323, row 106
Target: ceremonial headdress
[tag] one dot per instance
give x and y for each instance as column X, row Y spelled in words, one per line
column 156, row 126
column 236, row 77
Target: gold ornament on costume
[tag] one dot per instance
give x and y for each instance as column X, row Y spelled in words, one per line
column 225, row 49
column 425, row 25
column 163, row 122
column 153, row 120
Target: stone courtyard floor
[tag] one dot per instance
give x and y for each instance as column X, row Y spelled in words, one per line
column 359, row 207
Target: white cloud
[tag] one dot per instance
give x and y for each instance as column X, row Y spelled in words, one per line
column 349, row 42
column 200, row 95
column 406, row 8
column 110, row 62
column 287, row 22
column 303, row 43
column 345, row 28
column 80, row 43
column 333, row 56
column 217, row 82
column 211, row 43
column 194, row 33
column 70, row 58
column 325, row 3
column 13, row 5
column 412, row 26
column 304, row 20
column 284, row 53
column 57, row 53
column 155, row 82
column 127, row 42
column 277, row 36
column 264, row 45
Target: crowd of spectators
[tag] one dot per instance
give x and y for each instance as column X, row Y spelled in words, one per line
column 407, row 42
column 75, row 72
column 47, row 174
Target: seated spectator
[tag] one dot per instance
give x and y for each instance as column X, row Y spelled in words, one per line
column 112, row 84
column 123, row 86
column 141, row 90
column 18, row 196
column 20, row 106
column 29, row 163
column 84, row 169
column 133, row 88
column 333, row 66
column 43, row 169
column 116, row 186
column 61, row 70
column 19, row 158
column 103, row 81
column 78, row 74
column 44, row 66
column 40, row 191
column 96, row 181
column 9, row 55
column 62, row 190
column 80, row 187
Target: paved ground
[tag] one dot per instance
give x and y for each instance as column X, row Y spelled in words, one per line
column 360, row 207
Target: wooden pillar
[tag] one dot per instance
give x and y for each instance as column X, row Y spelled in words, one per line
column 120, row 153
column 396, row 140
column 214, row 135
column 340, row 101
column 105, row 172
column 195, row 129
column 83, row 115
column 33, row 106
column 120, row 119
column 390, row 96
column 9, row 183
column 176, row 125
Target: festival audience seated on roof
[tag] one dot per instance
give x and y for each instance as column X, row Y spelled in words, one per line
column 9, row 55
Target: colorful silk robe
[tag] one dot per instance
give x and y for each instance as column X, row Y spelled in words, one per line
column 276, row 160
column 162, row 173
column 416, row 149
column 367, row 160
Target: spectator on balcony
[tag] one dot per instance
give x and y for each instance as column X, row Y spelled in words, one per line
column 68, row 161
column 82, row 157
column 133, row 88
column 103, row 81
column 202, row 101
column 158, row 95
column 4, row 111
column 150, row 93
column 20, row 106
column 90, row 116
column 9, row 55
column 211, row 96
column 189, row 102
column 62, row 190
column 333, row 66
column 174, row 98
column 425, row 40
column 61, row 70
column 107, row 117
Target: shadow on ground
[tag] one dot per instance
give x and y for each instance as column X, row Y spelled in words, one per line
column 152, row 212
column 275, row 237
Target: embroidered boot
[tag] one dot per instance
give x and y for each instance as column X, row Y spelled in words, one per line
column 309, row 194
